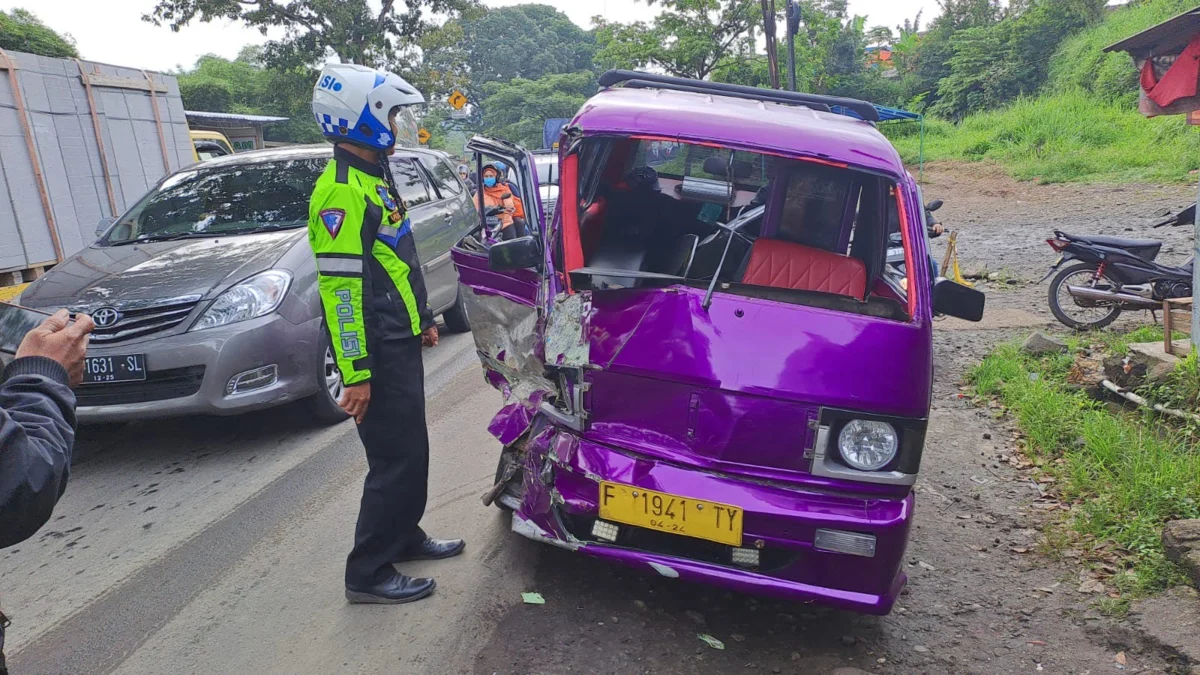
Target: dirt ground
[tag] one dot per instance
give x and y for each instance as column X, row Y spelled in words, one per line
column 979, row 600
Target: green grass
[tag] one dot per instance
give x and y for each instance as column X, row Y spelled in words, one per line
column 1084, row 126
column 1081, row 63
column 1123, row 475
column 1064, row 137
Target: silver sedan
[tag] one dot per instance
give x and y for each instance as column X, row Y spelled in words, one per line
column 204, row 293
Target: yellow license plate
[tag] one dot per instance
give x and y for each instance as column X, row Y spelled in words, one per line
column 671, row 513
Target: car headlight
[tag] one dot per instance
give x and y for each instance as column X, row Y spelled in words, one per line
column 257, row 296
column 868, row 445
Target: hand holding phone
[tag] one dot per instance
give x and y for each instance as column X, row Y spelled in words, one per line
column 62, row 340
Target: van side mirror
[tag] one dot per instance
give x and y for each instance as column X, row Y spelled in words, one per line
column 103, row 225
column 934, row 205
column 953, row 299
column 515, row 254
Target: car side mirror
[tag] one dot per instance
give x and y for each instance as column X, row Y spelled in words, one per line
column 515, row 254
column 934, row 205
column 954, row 299
column 103, row 226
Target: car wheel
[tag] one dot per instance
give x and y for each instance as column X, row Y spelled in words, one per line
column 456, row 316
column 323, row 405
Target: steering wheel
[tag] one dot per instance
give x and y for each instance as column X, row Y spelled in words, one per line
column 642, row 177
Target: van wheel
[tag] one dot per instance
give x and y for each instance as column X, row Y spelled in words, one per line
column 323, row 405
column 456, row 316
column 514, row 491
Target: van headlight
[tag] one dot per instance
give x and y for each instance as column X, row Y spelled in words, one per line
column 868, row 445
column 257, row 296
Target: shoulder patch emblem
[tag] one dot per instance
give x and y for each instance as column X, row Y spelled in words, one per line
column 386, row 196
column 332, row 219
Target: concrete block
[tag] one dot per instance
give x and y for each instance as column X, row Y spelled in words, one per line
column 1181, row 539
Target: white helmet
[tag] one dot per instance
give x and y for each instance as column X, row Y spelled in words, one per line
column 352, row 103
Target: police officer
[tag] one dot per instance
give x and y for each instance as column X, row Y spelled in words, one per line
column 374, row 302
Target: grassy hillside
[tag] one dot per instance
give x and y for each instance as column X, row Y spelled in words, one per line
column 1084, row 126
column 1080, row 63
column 1074, row 136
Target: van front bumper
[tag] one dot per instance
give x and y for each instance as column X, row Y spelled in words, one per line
column 562, row 474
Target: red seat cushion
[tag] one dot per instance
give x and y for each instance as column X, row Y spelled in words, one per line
column 782, row 264
column 591, row 224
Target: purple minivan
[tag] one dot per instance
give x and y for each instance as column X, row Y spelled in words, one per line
column 709, row 369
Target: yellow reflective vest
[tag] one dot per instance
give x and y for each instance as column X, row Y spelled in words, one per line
column 367, row 267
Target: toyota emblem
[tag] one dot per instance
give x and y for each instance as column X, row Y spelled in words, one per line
column 106, row 317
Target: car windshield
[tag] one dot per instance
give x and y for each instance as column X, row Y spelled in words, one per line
column 235, row 199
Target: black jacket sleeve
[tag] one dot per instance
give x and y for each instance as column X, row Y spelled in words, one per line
column 37, row 433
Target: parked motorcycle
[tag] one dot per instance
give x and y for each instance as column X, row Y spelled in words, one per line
column 1112, row 275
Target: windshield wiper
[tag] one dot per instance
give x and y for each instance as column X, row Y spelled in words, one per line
column 733, row 229
column 166, row 237
column 266, row 228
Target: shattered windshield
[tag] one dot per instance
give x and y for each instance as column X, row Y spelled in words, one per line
column 238, row 199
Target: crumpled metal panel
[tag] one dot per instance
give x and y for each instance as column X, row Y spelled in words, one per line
column 566, row 331
column 506, row 339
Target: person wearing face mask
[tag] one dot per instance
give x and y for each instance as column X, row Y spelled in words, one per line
column 495, row 192
column 374, row 301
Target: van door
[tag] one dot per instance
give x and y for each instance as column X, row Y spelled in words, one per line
column 505, row 306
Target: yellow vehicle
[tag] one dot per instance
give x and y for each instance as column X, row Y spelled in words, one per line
column 209, row 144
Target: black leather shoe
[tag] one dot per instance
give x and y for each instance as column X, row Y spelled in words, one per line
column 395, row 591
column 434, row 549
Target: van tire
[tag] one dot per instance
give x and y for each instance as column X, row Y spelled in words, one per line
column 456, row 316
column 512, row 494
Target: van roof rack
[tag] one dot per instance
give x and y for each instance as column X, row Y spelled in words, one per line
column 639, row 80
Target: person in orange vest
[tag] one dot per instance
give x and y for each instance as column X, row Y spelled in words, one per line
column 495, row 192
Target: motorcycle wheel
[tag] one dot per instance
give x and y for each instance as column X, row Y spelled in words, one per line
column 1069, row 311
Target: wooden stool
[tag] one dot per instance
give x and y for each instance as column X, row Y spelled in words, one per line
column 1177, row 316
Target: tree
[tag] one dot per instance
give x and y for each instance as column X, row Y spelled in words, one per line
column 995, row 64
column 689, row 38
column 924, row 60
column 880, row 35
column 245, row 86
column 498, row 45
column 516, row 110
column 22, row 31
column 354, row 30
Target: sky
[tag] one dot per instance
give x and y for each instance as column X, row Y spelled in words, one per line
column 111, row 31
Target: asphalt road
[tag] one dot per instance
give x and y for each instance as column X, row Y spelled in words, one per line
column 218, row 545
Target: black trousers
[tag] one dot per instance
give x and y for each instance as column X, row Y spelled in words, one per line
column 397, row 444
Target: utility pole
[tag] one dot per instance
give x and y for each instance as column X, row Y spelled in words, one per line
column 1195, row 283
column 768, row 9
column 793, row 27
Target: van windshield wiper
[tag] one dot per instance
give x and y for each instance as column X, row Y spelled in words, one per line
column 733, row 229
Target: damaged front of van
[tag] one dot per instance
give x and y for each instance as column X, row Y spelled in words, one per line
column 709, row 370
